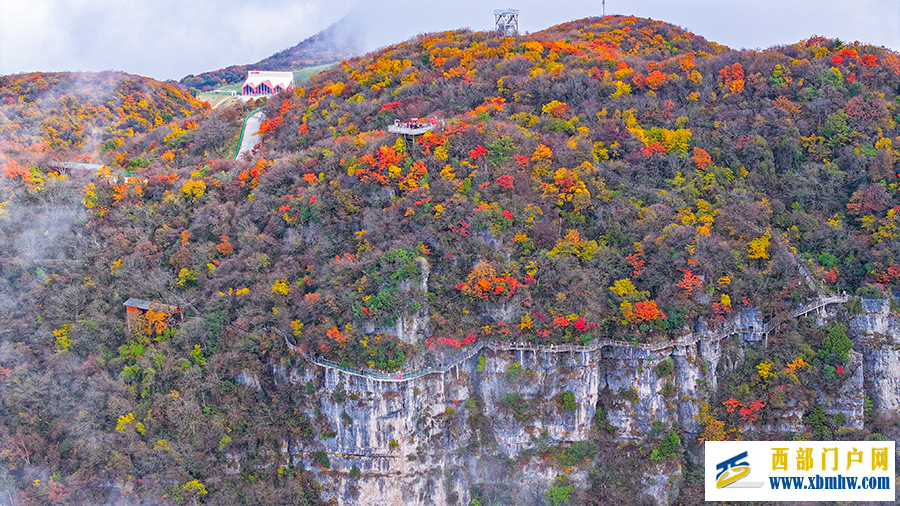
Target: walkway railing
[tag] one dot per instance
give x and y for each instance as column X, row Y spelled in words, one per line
column 409, row 130
column 455, row 361
column 820, row 303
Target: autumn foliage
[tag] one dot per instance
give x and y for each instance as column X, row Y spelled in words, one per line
column 608, row 178
column 484, row 283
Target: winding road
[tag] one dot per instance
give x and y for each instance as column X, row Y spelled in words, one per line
column 249, row 133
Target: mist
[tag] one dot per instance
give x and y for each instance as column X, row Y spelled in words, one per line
column 163, row 39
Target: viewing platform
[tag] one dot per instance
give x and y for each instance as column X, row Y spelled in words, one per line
column 412, row 127
column 75, row 166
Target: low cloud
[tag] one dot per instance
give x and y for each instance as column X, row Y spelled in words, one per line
column 164, row 39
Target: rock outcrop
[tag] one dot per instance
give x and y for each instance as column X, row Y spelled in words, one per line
column 876, row 334
column 434, row 438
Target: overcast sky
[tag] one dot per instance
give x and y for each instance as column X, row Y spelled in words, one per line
column 168, row 39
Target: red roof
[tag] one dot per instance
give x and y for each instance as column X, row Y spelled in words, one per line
column 275, row 81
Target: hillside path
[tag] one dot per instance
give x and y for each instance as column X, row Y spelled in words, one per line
column 249, row 133
column 734, row 327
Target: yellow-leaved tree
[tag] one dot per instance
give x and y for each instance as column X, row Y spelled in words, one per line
column 759, row 248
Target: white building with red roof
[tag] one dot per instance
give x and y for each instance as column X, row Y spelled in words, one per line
column 265, row 82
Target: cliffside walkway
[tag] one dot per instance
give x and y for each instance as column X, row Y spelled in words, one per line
column 818, row 306
column 733, row 328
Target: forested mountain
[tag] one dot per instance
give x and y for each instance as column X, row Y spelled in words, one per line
column 67, row 114
column 615, row 178
column 335, row 43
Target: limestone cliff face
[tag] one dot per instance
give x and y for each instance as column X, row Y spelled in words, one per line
column 876, row 334
column 429, row 440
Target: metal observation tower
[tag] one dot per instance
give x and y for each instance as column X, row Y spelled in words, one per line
column 507, row 21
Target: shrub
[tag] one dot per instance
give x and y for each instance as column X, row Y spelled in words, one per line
column 577, row 452
column 818, row 424
column 629, row 394
column 520, row 407
column 668, row 390
column 321, row 458
column 853, row 307
column 870, row 292
column 560, row 493
column 665, row 368
column 514, row 371
column 567, row 401
column 601, row 421
column 827, row 260
column 836, row 345
column 669, row 448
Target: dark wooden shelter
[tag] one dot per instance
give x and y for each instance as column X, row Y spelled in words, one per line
column 135, row 308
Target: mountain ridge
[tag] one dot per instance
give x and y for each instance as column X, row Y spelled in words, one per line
column 333, row 44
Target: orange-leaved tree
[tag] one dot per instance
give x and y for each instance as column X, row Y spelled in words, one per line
column 484, row 283
column 690, row 282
